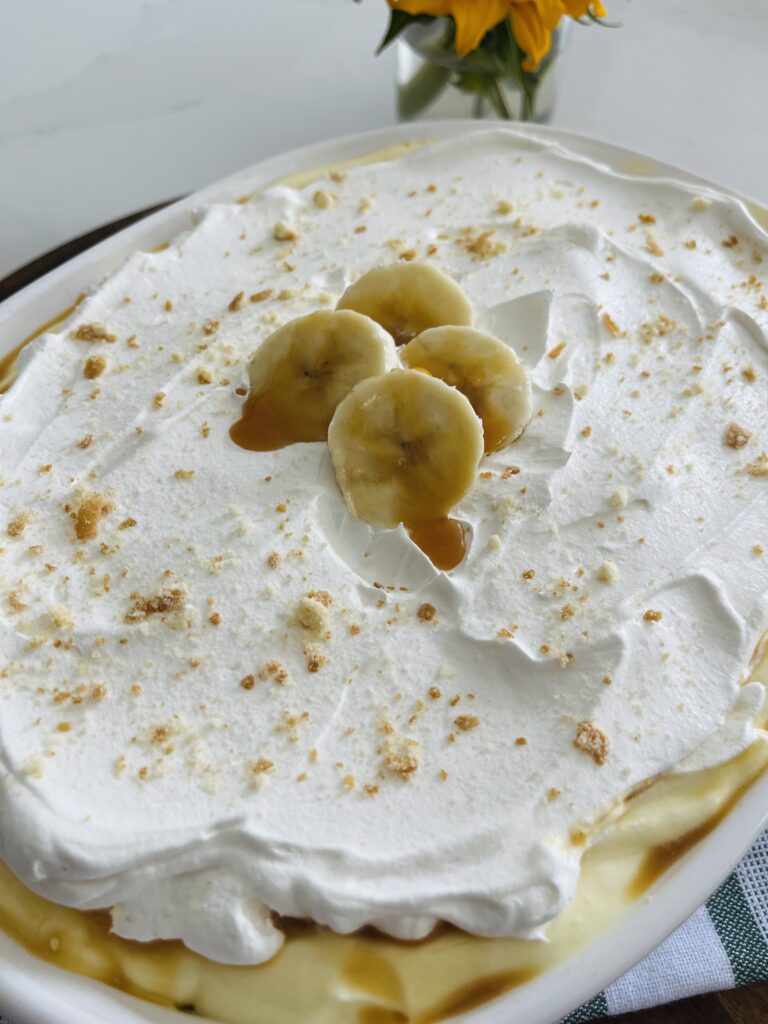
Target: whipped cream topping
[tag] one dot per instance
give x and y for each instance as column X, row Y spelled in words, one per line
column 183, row 739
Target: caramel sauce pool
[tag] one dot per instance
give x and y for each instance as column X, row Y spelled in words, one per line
column 660, row 858
column 443, row 541
column 260, row 429
column 6, row 368
column 494, row 429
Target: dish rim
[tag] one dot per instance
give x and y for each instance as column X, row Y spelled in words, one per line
column 34, row 991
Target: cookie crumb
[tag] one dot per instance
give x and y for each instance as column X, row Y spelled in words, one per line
column 17, row 525
column 557, row 350
column 93, row 332
column 94, row 367
column 323, row 199
column 607, row 572
column 283, row 232
column 619, row 498
column 611, row 326
column 592, row 741
column 466, row 722
column 481, row 245
column 93, row 508
column 315, row 660
column 700, row 203
column 171, row 600
column 275, row 671
column 399, row 759
column 60, row 617
column 312, row 615
column 736, row 437
column 759, row 467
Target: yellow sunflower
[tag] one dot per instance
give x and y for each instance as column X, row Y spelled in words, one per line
column 533, row 21
column 578, row 8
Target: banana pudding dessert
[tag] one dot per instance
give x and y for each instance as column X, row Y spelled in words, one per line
column 365, row 552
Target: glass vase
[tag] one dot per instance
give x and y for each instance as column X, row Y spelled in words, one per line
column 432, row 82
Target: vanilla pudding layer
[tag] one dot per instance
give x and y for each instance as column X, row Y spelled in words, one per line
column 175, row 744
column 366, row 979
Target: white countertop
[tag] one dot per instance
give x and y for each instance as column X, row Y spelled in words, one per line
column 109, row 106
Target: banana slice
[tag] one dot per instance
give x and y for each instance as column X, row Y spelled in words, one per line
column 408, row 298
column 300, row 373
column 405, row 448
column 482, row 368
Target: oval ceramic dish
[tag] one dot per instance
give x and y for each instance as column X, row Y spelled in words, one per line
column 35, row 992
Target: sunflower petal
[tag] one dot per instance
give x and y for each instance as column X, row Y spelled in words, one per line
column 578, row 8
column 437, row 8
column 473, row 18
column 550, row 12
column 533, row 37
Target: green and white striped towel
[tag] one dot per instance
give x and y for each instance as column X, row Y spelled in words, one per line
column 723, row 945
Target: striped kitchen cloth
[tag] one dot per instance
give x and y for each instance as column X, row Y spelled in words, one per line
column 723, row 945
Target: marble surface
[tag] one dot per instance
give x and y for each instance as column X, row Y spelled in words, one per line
column 108, row 106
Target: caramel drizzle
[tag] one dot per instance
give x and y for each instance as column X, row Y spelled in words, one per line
column 7, row 362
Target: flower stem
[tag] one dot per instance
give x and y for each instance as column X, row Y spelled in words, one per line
column 497, row 98
column 421, row 89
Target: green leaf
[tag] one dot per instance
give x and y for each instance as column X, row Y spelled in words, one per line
column 398, row 22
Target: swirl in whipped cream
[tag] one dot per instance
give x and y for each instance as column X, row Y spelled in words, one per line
column 177, row 742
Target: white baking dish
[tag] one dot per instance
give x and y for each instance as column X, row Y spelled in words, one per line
column 35, row 992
